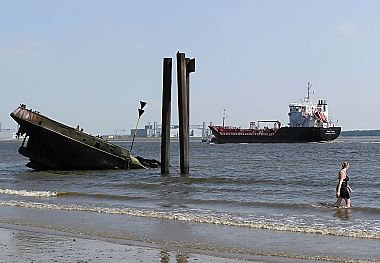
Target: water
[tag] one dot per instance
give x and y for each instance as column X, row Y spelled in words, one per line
column 234, row 192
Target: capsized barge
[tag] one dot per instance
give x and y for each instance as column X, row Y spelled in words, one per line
column 308, row 122
column 51, row 145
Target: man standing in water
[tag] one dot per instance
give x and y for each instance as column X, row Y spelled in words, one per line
column 343, row 190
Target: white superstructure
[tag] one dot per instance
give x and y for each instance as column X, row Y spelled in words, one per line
column 308, row 114
column 7, row 134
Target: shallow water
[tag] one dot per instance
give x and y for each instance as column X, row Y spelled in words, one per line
column 288, row 188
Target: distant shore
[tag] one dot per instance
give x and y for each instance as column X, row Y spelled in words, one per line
column 145, row 139
column 353, row 133
column 127, row 138
column 361, row 133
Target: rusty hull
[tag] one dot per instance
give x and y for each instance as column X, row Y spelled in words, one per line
column 51, row 145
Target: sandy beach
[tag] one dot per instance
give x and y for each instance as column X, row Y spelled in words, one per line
column 27, row 245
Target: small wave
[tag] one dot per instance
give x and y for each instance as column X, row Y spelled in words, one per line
column 217, row 219
column 240, row 203
column 368, row 210
column 29, row 193
column 100, row 196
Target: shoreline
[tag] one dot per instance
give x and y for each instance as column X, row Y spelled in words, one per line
column 100, row 237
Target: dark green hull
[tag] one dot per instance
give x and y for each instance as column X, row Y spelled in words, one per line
column 282, row 135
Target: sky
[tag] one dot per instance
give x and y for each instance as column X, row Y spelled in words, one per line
column 91, row 62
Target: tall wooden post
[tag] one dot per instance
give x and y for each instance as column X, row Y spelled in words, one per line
column 166, row 113
column 184, row 68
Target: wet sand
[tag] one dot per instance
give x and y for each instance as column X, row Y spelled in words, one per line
column 20, row 245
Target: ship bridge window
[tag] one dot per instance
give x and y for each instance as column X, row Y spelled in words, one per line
column 97, row 145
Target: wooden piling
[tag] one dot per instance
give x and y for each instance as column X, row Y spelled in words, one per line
column 183, row 114
column 166, row 114
column 184, row 67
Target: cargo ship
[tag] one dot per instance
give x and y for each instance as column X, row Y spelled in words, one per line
column 308, row 122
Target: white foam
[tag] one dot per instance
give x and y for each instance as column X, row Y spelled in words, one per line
column 29, row 193
column 262, row 223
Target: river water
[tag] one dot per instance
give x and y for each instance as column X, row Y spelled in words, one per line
column 247, row 200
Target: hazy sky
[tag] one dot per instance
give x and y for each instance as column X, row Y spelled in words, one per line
column 90, row 62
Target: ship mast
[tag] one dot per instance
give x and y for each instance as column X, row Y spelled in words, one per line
column 308, row 90
column 224, row 116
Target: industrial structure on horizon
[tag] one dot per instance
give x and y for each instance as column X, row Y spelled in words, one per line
column 7, row 134
column 152, row 130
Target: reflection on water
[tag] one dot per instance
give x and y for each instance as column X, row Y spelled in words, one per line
column 344, row 214
column 180, row 258
column 165, row 257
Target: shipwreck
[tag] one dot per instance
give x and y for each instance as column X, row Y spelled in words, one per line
column 51, row 145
